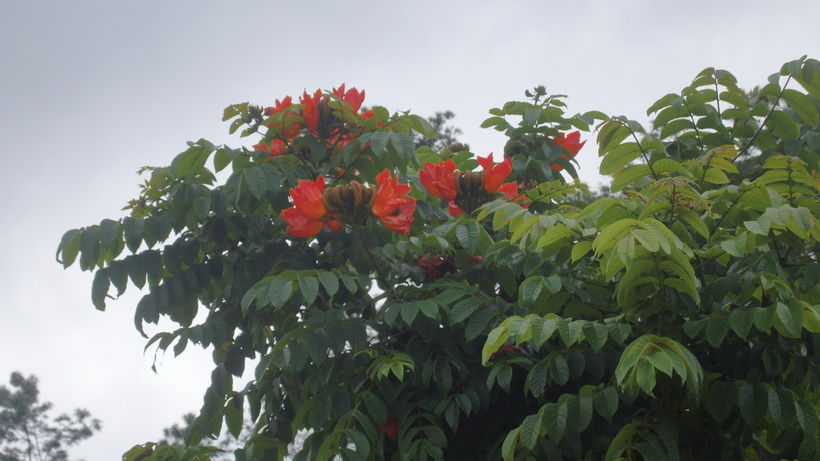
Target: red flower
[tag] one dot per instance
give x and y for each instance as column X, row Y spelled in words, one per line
column 370, row 114
column 308, row 215
column 435, row 266
column 454, row 210
column 353, row 97
column 310, row 113
column 438, row 179
column 300, row 224
column 292, row 130
column 391, row 204
column 307, row 196
column 390, row 428
column 505, row 349
column 277, row 147
column 571, row 143
column 510, row 190
column 401, row 221
column 494, row 175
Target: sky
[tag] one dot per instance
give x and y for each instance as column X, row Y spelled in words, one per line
column 90, row 91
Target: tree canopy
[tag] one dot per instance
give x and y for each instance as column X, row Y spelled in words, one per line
column 419, row 303
column 27, row 432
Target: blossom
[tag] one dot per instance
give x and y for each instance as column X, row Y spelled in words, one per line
column 292, row 130
column 438, row 179
column 454, row 210
column 352, row 96
column 505, row 349
column 571, row 143
column 277, row 147
column 401, row 221
column 308, row 215
column 510, row 190
column 390, row 428
column 391, row 204
column 300, row 224
column 310, row 111
column 494, row 174
column 307, row 196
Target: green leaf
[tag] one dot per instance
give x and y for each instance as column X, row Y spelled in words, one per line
column 580, row 249
column 537, row 378
column 468, row 235
column 789, row 319
column 802, row 106
column 530, row 289
column 605, row 402
column 783, row 125
column 309, row 287
column 508, row 447
column 629, row 175
column 721, row 398
column 610, row 135
column 619, row 157
column 132, row 232
column 741, row 321
column 559, row 370
column 69, row 247
column 463, row 310
column 530, row 431
column 257, row 182
column 753, row 400
column 278, row 293
column 596, row 335
column 645, row 377
column 716, row 328
column 233, row 416
column 715, row 176
column 409, row 311
column 329, row 282
column 429, row 308
column 99, row 288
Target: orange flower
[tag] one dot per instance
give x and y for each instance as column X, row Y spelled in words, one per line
column 307, row 196
column 438, row 179
column 454, row 210
column 292, row 130
column 494, row 175
column 352, row 96
column 571, row 143
column 510, row 190
column 389, row 194
column 300, row 224
column 277, row 147
column 391, row 204
column 311, row 111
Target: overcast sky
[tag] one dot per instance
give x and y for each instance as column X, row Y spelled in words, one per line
column 90, row 91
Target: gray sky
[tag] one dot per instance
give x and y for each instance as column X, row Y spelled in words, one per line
column 90, row 91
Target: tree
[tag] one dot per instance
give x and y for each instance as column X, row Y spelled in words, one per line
column 27, row 432
column 445, row 134
column 403, row 305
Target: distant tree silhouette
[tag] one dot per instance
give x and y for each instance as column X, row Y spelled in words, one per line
column 28, row 433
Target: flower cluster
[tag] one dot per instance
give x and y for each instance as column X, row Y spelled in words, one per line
column 571, row 143
column 324, row 117
column 467, row 190
column 315, row 207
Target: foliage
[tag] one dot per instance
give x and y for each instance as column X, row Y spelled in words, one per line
column 445, row 134
column 227, row 443
column 675, row 317
column 27, row 432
